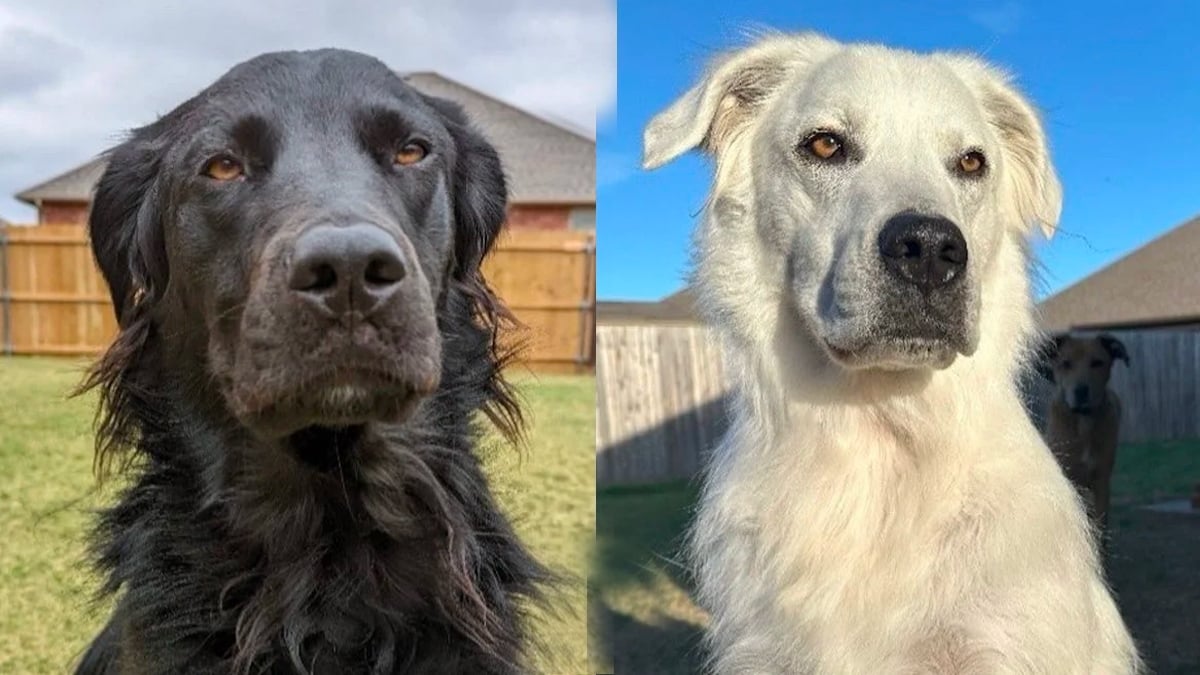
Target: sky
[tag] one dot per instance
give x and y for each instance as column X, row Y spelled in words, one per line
column 75, row 74
column 1119, row 91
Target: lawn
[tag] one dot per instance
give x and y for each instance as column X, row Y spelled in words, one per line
column 640, row 604
column 641, row 607
column 47, row 493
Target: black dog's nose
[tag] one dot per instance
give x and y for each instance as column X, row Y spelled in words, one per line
column 344, row 268
column 926, row 251
column 1082, row 395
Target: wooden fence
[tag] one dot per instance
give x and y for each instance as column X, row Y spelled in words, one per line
column 659, row 400
column 661, row 406
column 53, row 300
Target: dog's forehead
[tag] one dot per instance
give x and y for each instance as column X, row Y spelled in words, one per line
column 1078, row 348
column 891, row 89
column 281, row 70
column 305, row 81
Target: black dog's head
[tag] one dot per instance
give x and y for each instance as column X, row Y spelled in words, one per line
column 289, row 237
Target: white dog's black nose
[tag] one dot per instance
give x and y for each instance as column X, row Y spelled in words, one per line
column 926, row 251
column 352, row 267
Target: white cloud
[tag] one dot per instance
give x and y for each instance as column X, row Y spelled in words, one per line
column 74, row 74
column 1001, row 19
column 614, row 167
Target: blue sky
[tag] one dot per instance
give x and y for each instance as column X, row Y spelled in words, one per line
column 1120, row 93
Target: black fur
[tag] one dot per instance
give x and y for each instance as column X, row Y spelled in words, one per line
column 370, row 548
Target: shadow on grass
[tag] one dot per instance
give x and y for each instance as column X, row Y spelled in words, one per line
column 639, row 597
column 665, row 646
column 637, row 526
column 1154, row 559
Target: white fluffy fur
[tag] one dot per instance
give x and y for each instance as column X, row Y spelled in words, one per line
column 862, row 520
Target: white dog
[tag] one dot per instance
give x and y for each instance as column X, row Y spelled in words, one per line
column 881, row 504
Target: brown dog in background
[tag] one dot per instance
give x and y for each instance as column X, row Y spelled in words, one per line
column 1084, row 417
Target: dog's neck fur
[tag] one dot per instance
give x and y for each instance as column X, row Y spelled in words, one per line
column 408, row 507
column 380, row 498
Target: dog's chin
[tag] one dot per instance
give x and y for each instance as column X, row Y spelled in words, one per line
column 893, row 355
column 897, row 353
column 344, row 401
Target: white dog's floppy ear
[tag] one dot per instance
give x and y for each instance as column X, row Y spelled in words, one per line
column 1033, row 184
column 735, row 85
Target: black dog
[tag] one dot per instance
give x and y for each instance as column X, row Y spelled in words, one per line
column 305, row 338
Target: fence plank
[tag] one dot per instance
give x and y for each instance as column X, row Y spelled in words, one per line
column 661, row 406
column 53, row 300
column 659, row 402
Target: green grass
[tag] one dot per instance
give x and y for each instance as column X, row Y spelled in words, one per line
column 47, row 493
column 1151, row 472
column 641, row 595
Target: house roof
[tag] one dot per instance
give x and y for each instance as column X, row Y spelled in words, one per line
column 75, row 185
column 1156, row 284
column 677, row 308
column 546, row 162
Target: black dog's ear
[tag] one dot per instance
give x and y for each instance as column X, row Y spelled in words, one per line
column 124, row 226
column 480, row 193
column 480, row 209
column 1115, row 348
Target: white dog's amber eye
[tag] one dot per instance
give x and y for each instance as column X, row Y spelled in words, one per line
column 223, row 168
column 410, row 154
column 972, row 162
column 824, row 145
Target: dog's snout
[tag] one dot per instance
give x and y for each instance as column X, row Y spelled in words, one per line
column 1082, row 395
column 343, row 268
column 926, row 251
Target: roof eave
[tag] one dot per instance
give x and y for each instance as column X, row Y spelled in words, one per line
column 562, row 126
column 541, row 201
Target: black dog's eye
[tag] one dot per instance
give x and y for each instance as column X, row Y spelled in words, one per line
column 412, row 153
column 224, row 168
column 824, row 145
column 972, row 163
column 1097, row 363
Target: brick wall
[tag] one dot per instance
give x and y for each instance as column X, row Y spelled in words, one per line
column 63, row 213
column 538, row 217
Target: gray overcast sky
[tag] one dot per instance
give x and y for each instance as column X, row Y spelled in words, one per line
column 74, row 74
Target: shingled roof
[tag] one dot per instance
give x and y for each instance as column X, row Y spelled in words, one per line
column 1157, row 284
column 546, row 162
column 675, row 309
column 73, row 186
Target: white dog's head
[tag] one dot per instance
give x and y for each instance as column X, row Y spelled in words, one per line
column 869, row 189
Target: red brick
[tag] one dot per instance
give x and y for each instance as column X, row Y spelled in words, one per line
column 63, row 213
column 538, row 217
